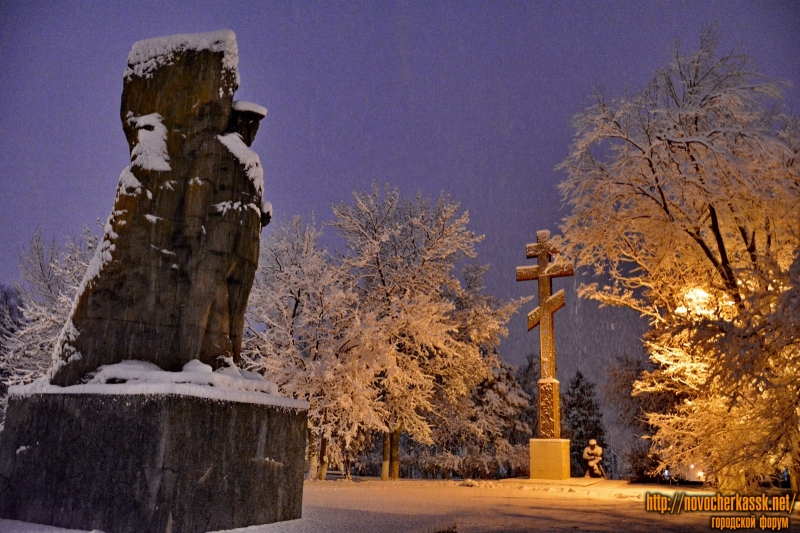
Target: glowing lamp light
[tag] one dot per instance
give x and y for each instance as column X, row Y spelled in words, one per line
column 696, row 294
column 698, row 302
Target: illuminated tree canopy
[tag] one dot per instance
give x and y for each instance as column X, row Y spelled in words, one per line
column 684, row 197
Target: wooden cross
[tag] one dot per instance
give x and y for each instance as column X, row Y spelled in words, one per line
column 542, row 316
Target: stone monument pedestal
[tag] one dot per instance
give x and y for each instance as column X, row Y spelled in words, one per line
column 550, row 459
column 151, row 462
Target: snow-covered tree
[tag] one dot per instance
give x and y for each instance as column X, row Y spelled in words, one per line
column 685, row 197
column 528, row 377
column 480, row 318
column 740, row 390
column 476, row 434
column 581, row 420
column 308, row 334
column 51, row 276
column 478, row 428
column 28, row 334
column 403, row 254
column 10, row 320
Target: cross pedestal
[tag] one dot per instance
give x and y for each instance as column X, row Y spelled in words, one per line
column 549, row 453
column 550, row 459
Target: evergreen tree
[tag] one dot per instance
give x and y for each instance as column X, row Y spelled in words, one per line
column 10, row 314
column 581, row 420
column 474, row 437
column 528, row 378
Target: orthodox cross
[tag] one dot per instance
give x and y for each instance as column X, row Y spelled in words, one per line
column 542, row 316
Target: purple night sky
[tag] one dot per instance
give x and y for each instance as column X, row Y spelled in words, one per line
column 471, row 98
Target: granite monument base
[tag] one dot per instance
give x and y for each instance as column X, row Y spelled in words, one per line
column 550, row 459
column 150, row 463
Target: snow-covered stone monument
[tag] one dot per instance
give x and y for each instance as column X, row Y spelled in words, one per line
column 146, row 424
column 180, row 249
column 549, row 453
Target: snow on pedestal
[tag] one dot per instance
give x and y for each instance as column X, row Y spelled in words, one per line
column 141, row 450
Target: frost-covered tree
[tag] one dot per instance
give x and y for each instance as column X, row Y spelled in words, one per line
column 386, row 337
column 474, row 437
column 476, row 434
column 51, row 275
column 308, row 334
column 480, row 318
column 28, row 334
column 10, row 320
column 684, row 197
column 404, row 254
column 740, row 385
column 581, row 420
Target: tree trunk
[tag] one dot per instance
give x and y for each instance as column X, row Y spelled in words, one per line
column 312, row 455
column 347, row 463
column 395, row 452
column 385, row 462
column 323, row 459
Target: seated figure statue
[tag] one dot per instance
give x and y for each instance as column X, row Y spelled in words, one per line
column 593, row 455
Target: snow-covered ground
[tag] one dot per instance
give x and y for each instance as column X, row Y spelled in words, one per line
column 481, row 506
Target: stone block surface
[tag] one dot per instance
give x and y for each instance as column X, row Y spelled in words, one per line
column 549, row 459
column 150, row 463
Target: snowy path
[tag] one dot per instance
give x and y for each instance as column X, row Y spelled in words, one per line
column 432, row 506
